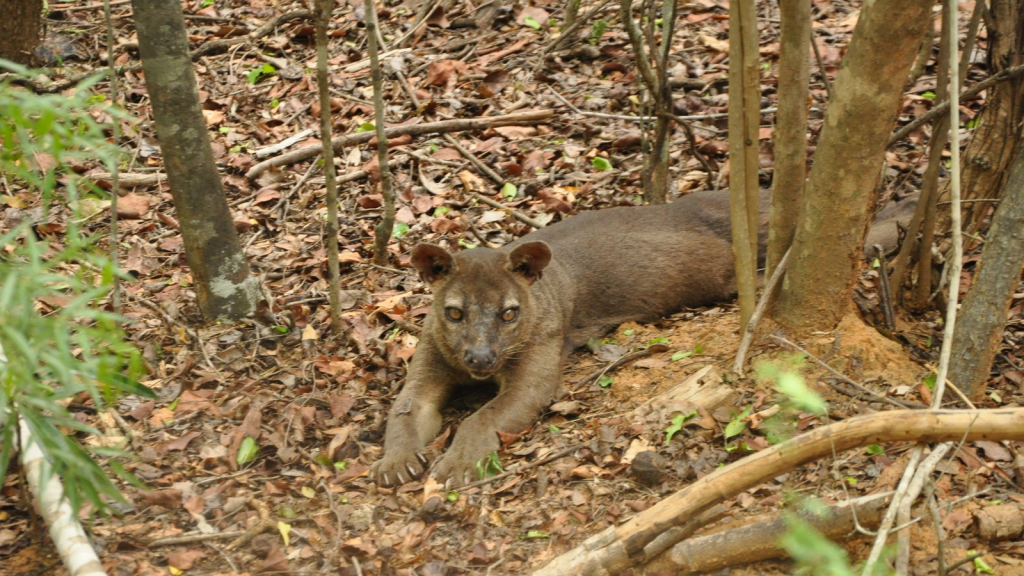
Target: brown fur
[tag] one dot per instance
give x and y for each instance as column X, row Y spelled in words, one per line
column 565, row 283
column 888, row 223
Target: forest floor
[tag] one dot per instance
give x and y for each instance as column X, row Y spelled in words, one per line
column 317, row 408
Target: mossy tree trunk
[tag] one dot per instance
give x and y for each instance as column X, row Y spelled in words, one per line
column 790, row 128
column 20, row 29
column 826, row 250
column 225, row 288
column 744, row 127
column 980, row 325
column 987, row 159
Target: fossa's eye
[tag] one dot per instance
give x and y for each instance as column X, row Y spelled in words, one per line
column 453, row 314
column 510, row 315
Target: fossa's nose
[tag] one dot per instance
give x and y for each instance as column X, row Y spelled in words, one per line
column 480, row 359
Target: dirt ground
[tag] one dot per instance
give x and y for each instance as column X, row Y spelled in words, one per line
column 316, row 408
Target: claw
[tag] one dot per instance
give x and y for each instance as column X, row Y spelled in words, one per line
column 412, row 471
column 448, row 484
column 400, row 479
column 423, row 459
column 387, row 481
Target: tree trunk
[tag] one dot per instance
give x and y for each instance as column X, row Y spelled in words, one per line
column 744, row 125
column 827, row 250
column 386, row 226
column 979, row 328
column 987, row 158
column 790, row 128
column 919, row 298
column 224, row 286
column 323, row 10
column 19, row 30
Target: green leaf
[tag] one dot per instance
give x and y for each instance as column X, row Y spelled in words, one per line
column 247, row 451
column 531, row 22
column 365, row 127
column 399, row 230
column 509, row 190
column 658, row 340
column 680, row 355
column 677, row 425
column 441, row 210
column 605, row 381
column 258, row 74
column 812, row 551
column 452, row 496
column 488, row 466
column 601, row 163
column 341, row 465
column 628, row 332
column 597, row 30
column 281, row 329
column 874, row 450
column 554, row 429
column 737, row 425
column 929, row 381
column 793, row 386
column 929, row 95
column 466, row 244
column 981, row 567
column 537, row 534
column 698, row 349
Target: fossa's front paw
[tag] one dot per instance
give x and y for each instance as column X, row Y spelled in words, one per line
column 458, row 466
column 398, row 467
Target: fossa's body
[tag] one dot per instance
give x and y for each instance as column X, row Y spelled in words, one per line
column 511, row 315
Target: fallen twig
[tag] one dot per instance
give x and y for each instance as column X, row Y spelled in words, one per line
column 193, row 538
column 760, row 541
column 286, row 143
column 643, row 537
column 624, row 359
column 515, row 213
column 759, row 310
column 484, row 168
column 445, row 126
column 66, row 532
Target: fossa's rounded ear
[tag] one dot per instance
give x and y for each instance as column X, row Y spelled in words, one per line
column 529, row 260
column 432, row 262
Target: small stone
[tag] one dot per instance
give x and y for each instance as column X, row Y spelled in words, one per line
column 647, row 468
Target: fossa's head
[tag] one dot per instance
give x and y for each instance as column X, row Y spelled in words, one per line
column 482, row 301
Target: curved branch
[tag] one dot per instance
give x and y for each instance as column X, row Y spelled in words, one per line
column 653, row 531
